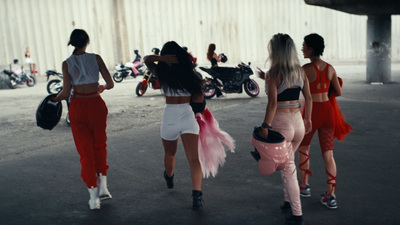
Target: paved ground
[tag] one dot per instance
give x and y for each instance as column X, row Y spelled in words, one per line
column 40, row 181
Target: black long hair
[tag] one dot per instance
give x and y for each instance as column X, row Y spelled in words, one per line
column 180, row 75
column 79, row 39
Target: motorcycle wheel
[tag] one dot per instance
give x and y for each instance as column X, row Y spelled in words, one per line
column 31, row 81
column 117, row 77
column 251, row 88
column 140, row 89
column 12, row 83
column 209, row 91
column 54, row 87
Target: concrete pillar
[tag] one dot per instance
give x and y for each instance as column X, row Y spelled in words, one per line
column 379, row 43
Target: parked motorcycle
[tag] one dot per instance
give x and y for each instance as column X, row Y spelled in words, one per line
column 19, row 77
column 149, row 79
column 54, row 86
column 125, row 70
column 230, row 80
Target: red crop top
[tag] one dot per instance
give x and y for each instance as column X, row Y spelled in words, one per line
column 321, row 82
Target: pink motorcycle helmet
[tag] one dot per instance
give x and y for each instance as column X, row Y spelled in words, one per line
column 271, row 153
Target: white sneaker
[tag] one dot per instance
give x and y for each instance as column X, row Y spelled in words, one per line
column 104, row 194
column 94, row 201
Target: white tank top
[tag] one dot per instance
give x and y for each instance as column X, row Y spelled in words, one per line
column 167, row 91
column 83, row 69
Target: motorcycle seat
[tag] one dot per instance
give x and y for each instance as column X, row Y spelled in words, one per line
column 209, row 71
column 51, row 72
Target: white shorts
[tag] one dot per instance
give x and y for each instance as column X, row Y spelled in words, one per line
column 178, row 119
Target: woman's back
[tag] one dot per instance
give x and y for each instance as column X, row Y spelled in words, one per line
column 319, row 75
column 83, row 69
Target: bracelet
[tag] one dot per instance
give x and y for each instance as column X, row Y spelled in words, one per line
column 265, row 125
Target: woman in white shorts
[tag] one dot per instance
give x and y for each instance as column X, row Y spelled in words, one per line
column 179, row 84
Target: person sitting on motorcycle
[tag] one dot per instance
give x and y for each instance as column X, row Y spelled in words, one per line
column 214, row 59
column 16, row 68
column 136, row 62
column 212, row 56
column 179, row 84
column 28, row 60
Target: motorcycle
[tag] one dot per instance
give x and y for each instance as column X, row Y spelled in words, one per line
column 149, row 79
column 125, row 70
column 19, row 77
column 54, row 86
column 230, row 80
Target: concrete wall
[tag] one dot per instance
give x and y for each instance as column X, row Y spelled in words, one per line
column 240, row 28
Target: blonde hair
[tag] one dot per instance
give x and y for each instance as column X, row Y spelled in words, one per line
column 285, row 64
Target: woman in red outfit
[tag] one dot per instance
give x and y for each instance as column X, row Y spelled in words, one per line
column 88, row 113
column 322, row 78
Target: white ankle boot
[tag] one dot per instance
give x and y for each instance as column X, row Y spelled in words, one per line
column 94, row 201
column 103, row 193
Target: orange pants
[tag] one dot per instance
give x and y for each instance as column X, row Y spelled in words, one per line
column 88, row 118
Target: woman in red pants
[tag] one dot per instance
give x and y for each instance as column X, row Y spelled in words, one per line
column 324, row 86
column 88, row 114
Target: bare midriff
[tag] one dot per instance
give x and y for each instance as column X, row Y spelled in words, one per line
column 288, row 110
column 320, row 97
column 177, row 100
column 86, row 90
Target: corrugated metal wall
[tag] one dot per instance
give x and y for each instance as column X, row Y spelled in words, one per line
column 240, row 28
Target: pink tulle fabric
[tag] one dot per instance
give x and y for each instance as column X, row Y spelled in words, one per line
column 211, row 150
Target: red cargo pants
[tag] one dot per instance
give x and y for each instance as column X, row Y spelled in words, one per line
column 88, row 117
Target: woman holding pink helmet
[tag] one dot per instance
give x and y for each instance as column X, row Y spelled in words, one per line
column 283, row 83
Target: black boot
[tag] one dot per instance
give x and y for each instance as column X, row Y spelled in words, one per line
column 197, row 200
column 169, row 180
column 286, row 208
column 294, row 220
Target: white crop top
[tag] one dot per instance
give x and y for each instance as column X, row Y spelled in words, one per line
column 167, row 91
column 83, row 69
column 282, row 87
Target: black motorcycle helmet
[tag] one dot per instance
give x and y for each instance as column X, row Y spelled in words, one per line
column 224, row 58
column 155, row 51
column 136, row 51
column 48, row 113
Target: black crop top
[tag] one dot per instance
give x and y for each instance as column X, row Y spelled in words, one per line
column 214, row 62
column 289, row 94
